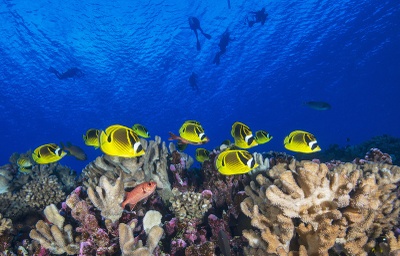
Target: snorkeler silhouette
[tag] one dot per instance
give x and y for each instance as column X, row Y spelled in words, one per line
column 223, row 43
column 193, row 81
column 194, row 24
column 258, row 16
column 70, row 73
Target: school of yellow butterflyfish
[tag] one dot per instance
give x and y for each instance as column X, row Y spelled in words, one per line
column 123, row 141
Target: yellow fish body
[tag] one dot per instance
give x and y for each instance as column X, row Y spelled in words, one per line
column 191, row 132
column 119, row 140
column 91, row 138
column 232, row 162
column 243, row 135
column 24, row 164
column 302, row 142
column 141, row 131
column 202, row 155
column 262, row 137
column 48, row 153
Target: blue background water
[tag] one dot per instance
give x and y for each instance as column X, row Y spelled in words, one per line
column 137, row 57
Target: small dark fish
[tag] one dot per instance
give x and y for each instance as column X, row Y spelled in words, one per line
column 223, row 243
column 75, row 151
column 318, row 105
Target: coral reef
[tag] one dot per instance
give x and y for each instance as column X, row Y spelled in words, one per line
column 151, row 166
column 385, row 143
column 283, row 207
column 309, row 208
column 45, row 185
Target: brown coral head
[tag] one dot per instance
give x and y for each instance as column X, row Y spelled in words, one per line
column 377, row 156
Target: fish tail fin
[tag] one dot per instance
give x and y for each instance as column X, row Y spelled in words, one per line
column 173, row 136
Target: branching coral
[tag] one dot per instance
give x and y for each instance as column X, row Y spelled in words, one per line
column 349, row 207
column 108, row 198
column 131, row 247
column 5, row 224
column 57, row 238
column 151, row 166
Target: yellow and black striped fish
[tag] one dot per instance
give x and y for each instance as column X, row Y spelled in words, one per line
column 141, row 131
column 202, row 155
column 119, row 140
column 48, row 153
column 243, row 135
column 302, row 142
column 24, row 164
column 232, row 162
column 91, row 138
column 262, row 137
column 191, row 132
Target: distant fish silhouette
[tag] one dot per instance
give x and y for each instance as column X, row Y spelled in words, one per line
column 193, row 81
column 317, row 105
column 70, row 73
column 194, row 24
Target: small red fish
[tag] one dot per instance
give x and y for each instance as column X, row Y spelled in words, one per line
column 139, row 193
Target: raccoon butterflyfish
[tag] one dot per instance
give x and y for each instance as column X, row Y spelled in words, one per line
column 75, row 151
column 48, row 153
column 243, row 136
column 262, row 137
column 91, row 138
column 119, row 140
column 302, row 142
column 232, row 162
column 191, row 132
column 24, row 164
column 141, row 131
column 202, row 155
column 317, row 105
column 226, row 144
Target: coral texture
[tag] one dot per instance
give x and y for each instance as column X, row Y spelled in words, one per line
column 151, row 166
column 57, row 238
column 347, row 208
column 131, row 247
column 108, row 198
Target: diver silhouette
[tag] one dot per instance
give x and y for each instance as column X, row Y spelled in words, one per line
column 258, row 16
column 194, row 24
column 70, row 73
column 193, row 81
column 223, row 43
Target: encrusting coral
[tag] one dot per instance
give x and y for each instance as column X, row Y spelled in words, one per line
column 189, row 206
column 45, row 185
column 346, row 208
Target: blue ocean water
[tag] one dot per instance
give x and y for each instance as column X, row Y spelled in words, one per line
column 137, row 57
